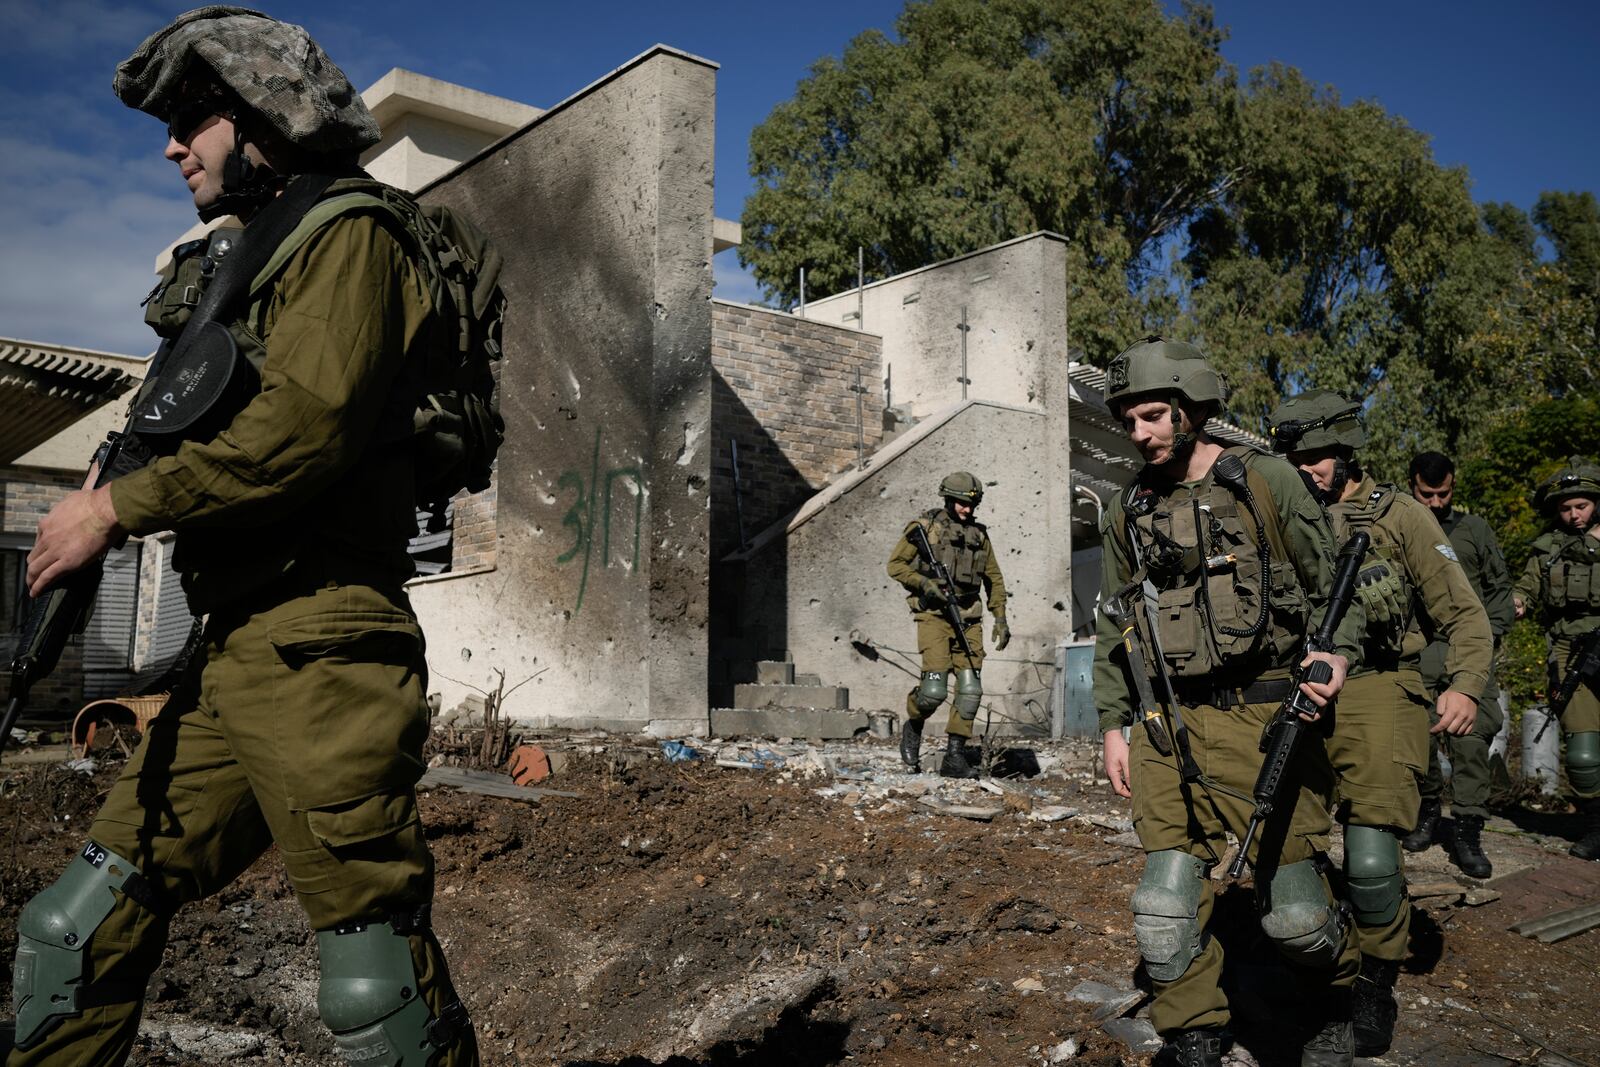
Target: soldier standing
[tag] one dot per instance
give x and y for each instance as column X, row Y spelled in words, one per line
column 1561, row 586
column 1379, row 740
column 305, row 726
column 1433, row 482
column 1235, row 560
column 961, row 544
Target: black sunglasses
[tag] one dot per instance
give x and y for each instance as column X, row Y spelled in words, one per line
column 189, row 115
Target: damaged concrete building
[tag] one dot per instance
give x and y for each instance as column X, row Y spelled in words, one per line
column 696, row 498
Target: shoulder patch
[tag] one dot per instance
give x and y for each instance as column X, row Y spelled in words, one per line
column 1447, row 552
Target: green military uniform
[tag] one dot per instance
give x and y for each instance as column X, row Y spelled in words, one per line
column 1231, row 630
column 968, row 556
column 304, row 723
column 1380, row 738
column 1479, row 554
column 1561, row 587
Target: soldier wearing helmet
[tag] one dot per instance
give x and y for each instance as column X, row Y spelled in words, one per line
column 962, row 547
column 1379, row 742
column 302, row 720
column 1217, row 561
column 1561, row 587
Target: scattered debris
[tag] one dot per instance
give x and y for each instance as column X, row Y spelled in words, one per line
column 488, row 783
column 528, row 765
column 1051, row 813
column 965, row 811
column 1476, row 898
column 1559, row 925
column 1126, row 840
column 1109, row 1001
column 1137, row 1034
column 1115, row 824
column 1061, row 1053
column 678, row 752
column 1431, row 890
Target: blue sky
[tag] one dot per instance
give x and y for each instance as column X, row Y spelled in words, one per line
column 1506, row 90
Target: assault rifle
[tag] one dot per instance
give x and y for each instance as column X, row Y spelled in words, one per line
column 1282, row 735
column 952, row 611
column 1583, row 665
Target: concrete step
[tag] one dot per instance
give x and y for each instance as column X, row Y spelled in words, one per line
column 775, row 672
column 808, row 679
column 832, row 697
column 809, row 723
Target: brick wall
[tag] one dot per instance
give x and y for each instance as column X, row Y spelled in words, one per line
column 783, row 391
column 473, row 541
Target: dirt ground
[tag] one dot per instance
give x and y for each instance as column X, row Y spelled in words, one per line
column 817, row 912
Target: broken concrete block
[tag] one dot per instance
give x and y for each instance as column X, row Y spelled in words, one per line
column 775, row 672
column 835, row 697
column 786, row 722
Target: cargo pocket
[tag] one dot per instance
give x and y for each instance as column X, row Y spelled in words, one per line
column 360, row 822
column 1411, row 723
column 348, row 704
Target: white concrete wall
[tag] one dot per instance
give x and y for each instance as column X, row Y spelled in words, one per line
column 597, row 607
column 1015, row 296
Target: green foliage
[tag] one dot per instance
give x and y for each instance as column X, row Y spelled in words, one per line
column 1300, row 240
column 1521, row 669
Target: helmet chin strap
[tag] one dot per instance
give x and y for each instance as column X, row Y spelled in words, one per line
column 1183, row 441
column 246, row 185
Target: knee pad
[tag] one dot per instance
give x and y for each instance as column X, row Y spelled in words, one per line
column 1297, row 917
column 1166, row 907
column 369, row 998
column 969, row 690
column 1372, row 874
column 1583, row 762
column 50, row 980
column 930, row 692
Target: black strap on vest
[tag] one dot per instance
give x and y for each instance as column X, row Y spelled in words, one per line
column 200, row 367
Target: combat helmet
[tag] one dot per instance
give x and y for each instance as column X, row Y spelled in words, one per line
column 1162, row 368
column 1579, row 477
column 213, row 55
column 963, row 487
column 1316, row 418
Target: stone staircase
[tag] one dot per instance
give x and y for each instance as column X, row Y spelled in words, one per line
column 783, row 703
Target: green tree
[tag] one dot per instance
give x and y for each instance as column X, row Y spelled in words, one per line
column 1107, row 121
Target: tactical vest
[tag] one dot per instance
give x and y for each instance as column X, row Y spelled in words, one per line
column 1199, row 544
column 963, row 548
column 1572, row 576
column 1365, row 514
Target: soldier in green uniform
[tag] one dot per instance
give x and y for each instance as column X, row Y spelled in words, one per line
column 1433, row 482
column 1561, row 587
column 1235, row 560
column 305, row 724
column 1379, row 742
column 962, row 545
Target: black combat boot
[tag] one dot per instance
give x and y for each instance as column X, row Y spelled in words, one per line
column 911, row 745
column 1333, row 1045
column 1427, row 829
column 1191, row 1048
column 1588, row 846
column 955, row 763
column 1467, row 850
column 1373, row 1008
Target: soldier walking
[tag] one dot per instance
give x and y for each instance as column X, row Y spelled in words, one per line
column 1561, row 587
column 1235, row 560
column 1433, row 482
column 1379, row 740
column 961, row 545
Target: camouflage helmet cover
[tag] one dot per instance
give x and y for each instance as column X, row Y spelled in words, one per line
column 1579, row 477
column 1162, row 367
column 274, row 67
column 1316, row 418
column 963, row 487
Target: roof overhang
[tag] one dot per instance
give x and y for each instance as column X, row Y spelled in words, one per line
column 46, row 388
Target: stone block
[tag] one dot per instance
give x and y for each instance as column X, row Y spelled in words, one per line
column 808, row 679
column 786, row 722
column 792, row 696
column 775, row 672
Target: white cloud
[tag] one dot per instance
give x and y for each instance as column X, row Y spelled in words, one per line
column 730, row 281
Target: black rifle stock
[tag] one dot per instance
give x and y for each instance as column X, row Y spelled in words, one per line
column 952, row 610
column 1282, row 736
column 1583, row 665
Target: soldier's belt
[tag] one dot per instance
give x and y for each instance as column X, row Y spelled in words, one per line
column 1193, row 693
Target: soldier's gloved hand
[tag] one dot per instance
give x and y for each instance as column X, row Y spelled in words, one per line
column 1381, row 595
column 933, row 594
column 1002, row 633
